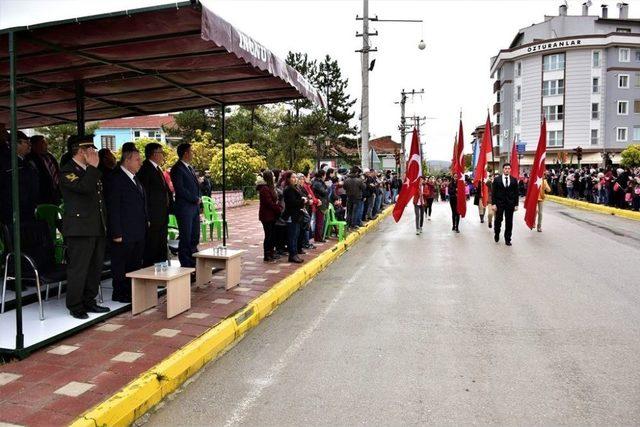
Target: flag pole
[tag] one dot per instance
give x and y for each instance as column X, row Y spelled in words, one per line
column 493, row 160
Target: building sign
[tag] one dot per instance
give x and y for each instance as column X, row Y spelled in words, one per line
column 554, row 45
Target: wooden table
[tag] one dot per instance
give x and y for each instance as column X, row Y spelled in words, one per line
column 144, row 289
column 229, row 260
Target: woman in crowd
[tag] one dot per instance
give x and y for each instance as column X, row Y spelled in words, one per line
column 419, row 202
column 431, row 194
column 307, row 226
column 268, row 213
column 322, row 193
column 453, row 202
column 294, row 203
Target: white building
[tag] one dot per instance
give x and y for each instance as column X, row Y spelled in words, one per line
column 583, row 73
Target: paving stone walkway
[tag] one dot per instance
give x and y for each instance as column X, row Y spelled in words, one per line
column 58, row 383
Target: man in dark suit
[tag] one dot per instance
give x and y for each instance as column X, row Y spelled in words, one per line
column 84, row 227
column 27, row 183
column 187, row 205
column 505, row 201
column 159, row 203
column 48, row 171
column 127, row 213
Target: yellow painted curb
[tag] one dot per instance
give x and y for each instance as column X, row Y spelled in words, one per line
column 144, row 392
column 595, row 208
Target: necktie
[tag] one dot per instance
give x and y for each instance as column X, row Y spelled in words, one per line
column 506, row 182
column 51, row 169
column 164, row 184
column 137, row 181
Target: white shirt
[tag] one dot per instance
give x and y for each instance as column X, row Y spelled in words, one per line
column 505, row 180
column 129, row 174
column 155, row 166
column 81, row 165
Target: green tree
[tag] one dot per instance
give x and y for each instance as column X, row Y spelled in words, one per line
column 57, row 136
column 203, row 154
column 330, row 82
column 631, row 156
column 170, row 155
column 242, row 165
column 188, row 122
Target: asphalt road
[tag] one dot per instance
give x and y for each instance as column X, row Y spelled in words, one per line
column 444, row 329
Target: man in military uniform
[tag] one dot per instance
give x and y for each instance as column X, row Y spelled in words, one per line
column 84, row 227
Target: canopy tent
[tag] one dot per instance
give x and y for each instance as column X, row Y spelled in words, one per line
column 137, row 62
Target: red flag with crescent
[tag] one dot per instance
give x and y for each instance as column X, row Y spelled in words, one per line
column 515, row 163
column 459, row 171
column 536, row 178
column 411, row 180
column 480, row 174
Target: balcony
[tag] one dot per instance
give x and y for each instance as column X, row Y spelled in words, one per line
column 496, row 108
column 496, row 130
column 496, row 86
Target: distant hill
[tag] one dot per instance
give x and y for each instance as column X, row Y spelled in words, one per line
column 438, row 165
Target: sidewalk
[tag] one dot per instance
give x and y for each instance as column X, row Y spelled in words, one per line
column 58, row 383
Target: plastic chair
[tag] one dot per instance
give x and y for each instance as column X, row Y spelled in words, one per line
column 172, row 228
column 330, row 221
column 212, row 219
column 52, row 215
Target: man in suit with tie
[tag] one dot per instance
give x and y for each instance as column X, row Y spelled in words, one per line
column 159, row 203
column 505, row 201
column 187, row 205
column 48, row 171
column 127, row 224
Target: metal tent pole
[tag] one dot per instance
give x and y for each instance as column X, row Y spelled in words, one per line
column 15, row 199
column 80, row 108
column 224, row 178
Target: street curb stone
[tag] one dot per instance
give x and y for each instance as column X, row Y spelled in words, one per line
column 595, row 208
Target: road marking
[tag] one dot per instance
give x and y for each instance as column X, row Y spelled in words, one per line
column 260, row 384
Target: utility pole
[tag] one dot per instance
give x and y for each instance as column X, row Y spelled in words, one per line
column 403, row 122
column 366, row 161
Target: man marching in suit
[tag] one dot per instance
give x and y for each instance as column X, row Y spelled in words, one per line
column 187, row 205
column 159, row 203
column 505, row 202
column 127, row 212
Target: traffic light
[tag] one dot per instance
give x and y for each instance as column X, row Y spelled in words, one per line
column 579, row 153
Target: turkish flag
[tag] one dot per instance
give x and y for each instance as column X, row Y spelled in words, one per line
column 515, row 164
column 411, row 181
column 459, row 170
column 480, row 174
column 536, row 178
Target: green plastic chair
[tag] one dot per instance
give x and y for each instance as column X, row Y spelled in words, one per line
column 330, row 221
column 52, row 215
column 212, row 219
column 172, row 228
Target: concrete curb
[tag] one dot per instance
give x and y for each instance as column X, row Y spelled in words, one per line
column 595, row 208
column 144, row 392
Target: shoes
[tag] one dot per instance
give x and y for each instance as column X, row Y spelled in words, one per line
column 420, row 230
column 496, row 237
column 539, row 229
column 457, row 231
column 489, row 224
column 95, row 308
column 417, row 231
column 481, row 220
column 507, row 243
column 296, row 259
column 428, row 218
column 126, row 298
column 79, row 314
column 192, row 278
column 268, row 259
column 453, row 228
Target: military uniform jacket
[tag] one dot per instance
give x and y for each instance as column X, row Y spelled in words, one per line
column 84, row 207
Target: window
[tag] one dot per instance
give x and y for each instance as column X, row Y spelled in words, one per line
column 637, row 79
column 595, row 111
column 623, row 81
column 553, row 87
column 638, row 55
column 636, row 106
column 518, row 93
column 136, row 134
column 623, row 30
column 595, row 85
column 554, row 112
column 499, row 96
column 594, row 136
column 623, row 108
column 636, row 133
column 108, row 141
column 499, row 73
column 498, row 118
column 553, row 62
column 518, row 69
column 554, row 138
column 518, row 117
column 621, row 134
column 596, row 58
column 624, row 54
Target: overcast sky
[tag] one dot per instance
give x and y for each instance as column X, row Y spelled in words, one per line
column 453, row 70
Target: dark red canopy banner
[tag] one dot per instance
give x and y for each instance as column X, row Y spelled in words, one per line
column 139, row 62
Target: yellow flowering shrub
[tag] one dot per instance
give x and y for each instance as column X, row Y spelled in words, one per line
column 242, row 165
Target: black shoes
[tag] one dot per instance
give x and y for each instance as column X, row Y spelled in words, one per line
column 301, row 252
column 79, row 314
column 507, row 243
column 95, row 308
column 496, row 237
column 122, row 299
column 457, row 231
column 296, row 259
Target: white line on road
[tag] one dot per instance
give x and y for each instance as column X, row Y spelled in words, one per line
column 260, row 384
